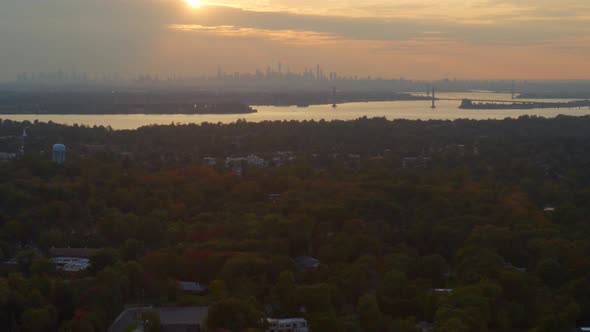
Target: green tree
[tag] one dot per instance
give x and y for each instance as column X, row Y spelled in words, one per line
column 103, row 258
column 39, row 319
column 150, row 321
column 217, row 289
column 42, row 266
column 24, row 259
column 284, row 291
column 453, row 325
column 369, row 313
column 551, row 272
column 234, row 314
column 132, row 250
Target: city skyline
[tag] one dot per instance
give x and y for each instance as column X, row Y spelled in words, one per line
column 421, row 40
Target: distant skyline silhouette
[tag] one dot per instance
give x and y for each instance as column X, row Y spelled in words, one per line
column 423, row 40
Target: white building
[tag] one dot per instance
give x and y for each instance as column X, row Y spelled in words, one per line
column 287, row 325
column 235, row 164
column 209, row 161
column 7, row 156
column 71, row 264
column 256, row 161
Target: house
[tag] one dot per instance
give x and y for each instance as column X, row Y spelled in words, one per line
column 256, row 161
column 7, row 156
column 443, row 290
column 509, row 266
column 210, row 161
column 235, row 164
column 189, row 319
column 425, row 327
column 72, row 252
column 191, row 287
column 95, row 147
column 71, row 264
column 274, row 197
column 287, row 325
column 306, row 263
column 71, row 260
column 8, row 267
column 415, row 162
column 282, row 157
column 172, row 319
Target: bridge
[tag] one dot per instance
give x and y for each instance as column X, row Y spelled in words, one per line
column 490, row 100
column 468, row 103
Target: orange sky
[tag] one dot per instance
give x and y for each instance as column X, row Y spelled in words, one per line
column 417, row 39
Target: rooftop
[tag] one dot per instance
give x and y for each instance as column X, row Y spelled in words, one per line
column 169, row 316
column 307, row 262
column 72, row 252
column 188, row 286
column 71, row 264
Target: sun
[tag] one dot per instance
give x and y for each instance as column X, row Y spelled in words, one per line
column 193, row 3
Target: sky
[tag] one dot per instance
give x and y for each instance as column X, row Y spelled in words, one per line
column 413, row 39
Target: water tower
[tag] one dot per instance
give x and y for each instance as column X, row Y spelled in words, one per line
column 59, row 154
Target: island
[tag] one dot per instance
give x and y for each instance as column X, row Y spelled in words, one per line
column 177, row 102
column 519, row 105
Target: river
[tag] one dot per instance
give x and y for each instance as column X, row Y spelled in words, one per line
column 411, row 110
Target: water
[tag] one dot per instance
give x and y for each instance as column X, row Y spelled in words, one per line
column 412, row 110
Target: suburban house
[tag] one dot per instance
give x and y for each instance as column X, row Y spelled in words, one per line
column 71, row 260
column 287, row 325
column 191, row 287
column 172, row 319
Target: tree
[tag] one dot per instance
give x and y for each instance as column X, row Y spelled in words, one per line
column 551, row 272
column 434, row 268
column 453, row 325
column 39, row 319
column 217, row 289
column 369, row 313
column 234, row 314
column 403, row 325
column 475, row 263
column 42, row 266
column 132, row 250
column 64, row 297
column 24, row 259
column 150, row 321
column 284, row 291
column 105, row 257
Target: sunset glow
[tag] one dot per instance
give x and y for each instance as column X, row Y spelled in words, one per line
column 418, row 39
column 193, row 3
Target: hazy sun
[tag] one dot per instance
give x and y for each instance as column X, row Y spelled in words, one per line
column 193, row 3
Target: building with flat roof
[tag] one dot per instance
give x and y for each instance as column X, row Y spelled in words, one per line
column 72, row 252
column 306, row 263
column 172, row 319
column 71, row 264
column 287, row 325
column 191, row 287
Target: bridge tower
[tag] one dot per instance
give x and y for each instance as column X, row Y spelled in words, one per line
column 513, row 91
column 433, row 99
column 334, row 105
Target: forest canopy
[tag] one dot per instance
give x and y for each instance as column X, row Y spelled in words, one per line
column 365, row 225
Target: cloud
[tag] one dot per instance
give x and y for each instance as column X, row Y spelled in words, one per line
column 295, row 37
column 138, row 36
